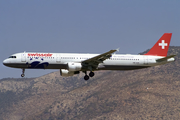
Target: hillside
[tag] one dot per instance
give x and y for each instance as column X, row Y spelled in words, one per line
column 151, row 93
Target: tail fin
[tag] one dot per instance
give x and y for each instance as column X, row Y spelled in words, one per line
column 161, row 47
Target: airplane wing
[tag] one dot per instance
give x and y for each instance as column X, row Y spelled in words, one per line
column 94, row 61
column 165, row 58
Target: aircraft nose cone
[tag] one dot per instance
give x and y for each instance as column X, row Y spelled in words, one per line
column 5, row 62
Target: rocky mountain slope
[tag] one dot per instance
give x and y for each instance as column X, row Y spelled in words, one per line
column 151, row 93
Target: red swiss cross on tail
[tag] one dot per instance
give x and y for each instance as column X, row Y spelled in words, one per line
column 161, row 46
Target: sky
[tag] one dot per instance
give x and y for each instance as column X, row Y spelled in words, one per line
column 83, row 26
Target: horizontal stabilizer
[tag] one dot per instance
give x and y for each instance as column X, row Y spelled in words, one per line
column 165, row 58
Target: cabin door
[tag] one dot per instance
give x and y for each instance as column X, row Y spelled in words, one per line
column 58, row 58
column 145, row 60
column 23, row 57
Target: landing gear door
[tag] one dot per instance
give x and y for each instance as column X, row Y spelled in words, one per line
column 23, row 57
column 145, row 60
column 58, row 58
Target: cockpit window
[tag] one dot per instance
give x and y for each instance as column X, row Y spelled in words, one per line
column 12, row 57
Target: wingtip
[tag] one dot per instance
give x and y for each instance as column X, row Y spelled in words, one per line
column 117, row 49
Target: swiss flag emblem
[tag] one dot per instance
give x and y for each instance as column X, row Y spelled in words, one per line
column 163, row 44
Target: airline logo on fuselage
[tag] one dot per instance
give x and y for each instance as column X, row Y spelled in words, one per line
column 39, row 55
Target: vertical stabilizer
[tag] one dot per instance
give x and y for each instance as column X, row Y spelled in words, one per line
column 161, row 47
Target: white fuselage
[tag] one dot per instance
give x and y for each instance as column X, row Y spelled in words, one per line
column 30, row 60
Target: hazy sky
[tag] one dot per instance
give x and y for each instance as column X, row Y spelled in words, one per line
column 83, row 26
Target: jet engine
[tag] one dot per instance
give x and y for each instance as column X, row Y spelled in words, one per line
column 67, row 73
column 74, row 66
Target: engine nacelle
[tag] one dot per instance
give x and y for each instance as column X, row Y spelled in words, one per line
column 74, row 66
column 67, row 73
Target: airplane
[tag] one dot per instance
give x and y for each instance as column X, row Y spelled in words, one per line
column 70, row 64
